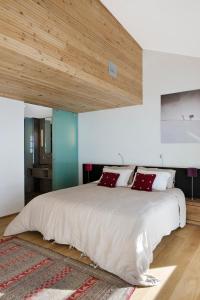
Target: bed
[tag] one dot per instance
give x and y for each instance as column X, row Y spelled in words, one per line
column 117, row 228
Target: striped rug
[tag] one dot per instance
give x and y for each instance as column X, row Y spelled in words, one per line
column 29, row 272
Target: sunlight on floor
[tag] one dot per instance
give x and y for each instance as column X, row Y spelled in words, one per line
column 47, row 294
column 163, row 274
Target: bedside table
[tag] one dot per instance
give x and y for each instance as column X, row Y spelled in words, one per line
column 193, row 211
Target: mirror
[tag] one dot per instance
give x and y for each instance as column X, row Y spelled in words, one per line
column 48, row 136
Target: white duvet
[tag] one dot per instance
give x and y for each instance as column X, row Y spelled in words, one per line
column 117, row 228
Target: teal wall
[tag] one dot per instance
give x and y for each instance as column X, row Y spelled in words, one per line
column 65, row 149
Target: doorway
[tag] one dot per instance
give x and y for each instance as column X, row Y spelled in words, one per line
column 37, row 150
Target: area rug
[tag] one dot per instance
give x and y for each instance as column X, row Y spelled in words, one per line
column 29, row 272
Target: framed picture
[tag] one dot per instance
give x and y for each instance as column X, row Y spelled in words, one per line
column 180, row 117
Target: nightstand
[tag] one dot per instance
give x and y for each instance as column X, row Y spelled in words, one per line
column 193, row 211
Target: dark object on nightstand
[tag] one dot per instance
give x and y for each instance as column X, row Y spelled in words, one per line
column 88, row 169
column 192, row 172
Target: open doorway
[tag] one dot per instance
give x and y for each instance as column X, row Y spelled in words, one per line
column 37, row 150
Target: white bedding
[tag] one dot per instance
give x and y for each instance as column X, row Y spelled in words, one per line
column 117, row 228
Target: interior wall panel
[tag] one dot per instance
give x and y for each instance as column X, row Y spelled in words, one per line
column 11, row 156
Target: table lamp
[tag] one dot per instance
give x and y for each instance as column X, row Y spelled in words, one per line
column 192, row 172
column 88, row 169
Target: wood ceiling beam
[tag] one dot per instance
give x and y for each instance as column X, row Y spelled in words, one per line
column 65, row 46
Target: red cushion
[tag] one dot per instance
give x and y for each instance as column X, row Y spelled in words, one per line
column 109, row 179
column 143, row 182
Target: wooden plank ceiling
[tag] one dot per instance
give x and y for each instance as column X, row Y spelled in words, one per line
column 56, row 53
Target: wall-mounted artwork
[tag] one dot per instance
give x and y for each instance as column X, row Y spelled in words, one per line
column 180, row 117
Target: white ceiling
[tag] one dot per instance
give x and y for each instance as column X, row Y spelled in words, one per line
column 36, row 111
column 163, row 25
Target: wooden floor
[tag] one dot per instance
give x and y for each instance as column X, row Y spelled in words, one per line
column 176, row 263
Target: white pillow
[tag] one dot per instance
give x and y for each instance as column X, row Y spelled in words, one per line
column 161, row 180
column 128, row 167
column 171, row 180
column 124, row 174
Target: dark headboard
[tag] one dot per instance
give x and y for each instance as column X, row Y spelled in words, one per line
column 182, row 181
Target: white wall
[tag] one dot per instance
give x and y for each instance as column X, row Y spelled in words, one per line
column 135, row 131
column 11, row 156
